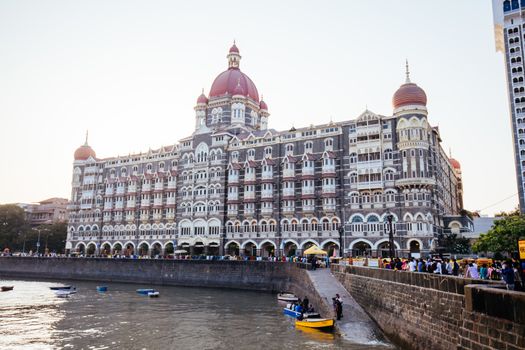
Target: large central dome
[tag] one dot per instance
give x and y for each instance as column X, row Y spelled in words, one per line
column 233, row 81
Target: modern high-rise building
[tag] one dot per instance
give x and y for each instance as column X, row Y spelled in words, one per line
column 236, row 186
column 509, row 30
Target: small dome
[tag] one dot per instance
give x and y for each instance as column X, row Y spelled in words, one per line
column 263, row 105
column 234, row 48
column 202, row 99
column 84, row 152
column 409, row 94
column 455, row 164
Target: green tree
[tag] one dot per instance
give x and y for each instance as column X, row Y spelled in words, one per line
column 13, row 225
column 503, row 236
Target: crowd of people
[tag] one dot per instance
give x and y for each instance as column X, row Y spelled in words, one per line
column 509, row 271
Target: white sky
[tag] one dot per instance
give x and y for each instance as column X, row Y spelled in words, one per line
column 131, row 71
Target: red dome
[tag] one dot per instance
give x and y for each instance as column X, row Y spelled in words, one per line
column 409, row 94
column 234, row 49
column 202, row 99
column 455, row 164
column 227, row 81
column 263, row 105
column 84, row 152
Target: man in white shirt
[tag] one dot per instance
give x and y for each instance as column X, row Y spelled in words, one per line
column 438, row 267
column 412, row 266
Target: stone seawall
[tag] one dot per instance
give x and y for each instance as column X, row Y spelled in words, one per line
column 252, row 275
column 433, row 312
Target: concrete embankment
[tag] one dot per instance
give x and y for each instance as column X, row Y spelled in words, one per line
column 435, row 312
column 251, row 275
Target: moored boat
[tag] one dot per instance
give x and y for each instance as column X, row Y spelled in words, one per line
column 287, row 297
column 102, row 288
column 7, row 288
column 154, row 294
column 319, row 323
column 145, row 291
column 61, row 287
column 65, row 293
column 289, row 312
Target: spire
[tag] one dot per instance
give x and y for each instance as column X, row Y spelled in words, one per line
column 407, row 72
column 87, row 134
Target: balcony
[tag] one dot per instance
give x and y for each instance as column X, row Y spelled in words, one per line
column 266, row 211
column 287, row 173
column 289, row 192
column 329, row 208
column 144, row 203
column 233, row 179
column 308, row 191
column 309, row 208
column 132, row 189
column 288, row 210
column 86, row 206
column 308, row 172
column 329, row 189
column 415, row 181
column 172, row 185
column 250, row 195
column 267, row 194
column 364, row 185
column 267, row 175
column 146, row 188
column 233, row 196
column 249, row 178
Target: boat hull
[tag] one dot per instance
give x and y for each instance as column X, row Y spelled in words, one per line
column 287, row 297
column 145, row 291
column 61, row 288
column 7, row 288
column 320, row 323
column 102, row 289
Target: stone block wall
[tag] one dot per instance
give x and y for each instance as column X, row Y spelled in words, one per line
column 425, row 311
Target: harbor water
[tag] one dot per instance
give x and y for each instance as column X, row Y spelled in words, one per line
column 32, row 317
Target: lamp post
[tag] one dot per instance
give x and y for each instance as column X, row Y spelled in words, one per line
column 391, row 247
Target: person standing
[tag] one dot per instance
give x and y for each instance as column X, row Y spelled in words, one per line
column 508, row 276
column 455, row 267
column 518, row 283
column 412, row 265
column 472, row 271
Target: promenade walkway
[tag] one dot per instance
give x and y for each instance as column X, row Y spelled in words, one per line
column 355, row 326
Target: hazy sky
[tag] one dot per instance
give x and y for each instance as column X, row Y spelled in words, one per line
column 131, row 71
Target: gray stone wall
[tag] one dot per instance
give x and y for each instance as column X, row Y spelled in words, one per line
column 435, row 312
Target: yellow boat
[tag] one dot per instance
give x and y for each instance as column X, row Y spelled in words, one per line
column 319, row 323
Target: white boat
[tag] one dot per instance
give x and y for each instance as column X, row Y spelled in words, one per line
column 64, row 293
column 287, row 297
column 153, row 294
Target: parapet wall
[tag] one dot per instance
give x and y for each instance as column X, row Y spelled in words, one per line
column 425, row 311
column 253, row 275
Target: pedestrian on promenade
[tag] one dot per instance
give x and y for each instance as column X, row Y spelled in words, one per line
column 455, row 267
column 412, row 266
column 472, row 271
column 484, row 272
column 436, row 267
column 508, row 275
column 518, row 283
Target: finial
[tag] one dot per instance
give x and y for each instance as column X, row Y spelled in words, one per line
column 202, row 92
column 262, row 97
column 233, row 41
column 87, row 134
column 407, row 71
column 450, row 152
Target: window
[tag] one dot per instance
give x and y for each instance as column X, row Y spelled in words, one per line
column 308, row 147
column 268, row 152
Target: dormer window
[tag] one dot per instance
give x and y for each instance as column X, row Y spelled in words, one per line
column 308, row 147
column 289, row 149
column 251, row 154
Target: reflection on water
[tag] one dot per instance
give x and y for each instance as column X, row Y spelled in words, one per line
column 32, row 317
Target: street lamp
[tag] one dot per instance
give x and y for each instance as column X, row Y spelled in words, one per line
column 391, row 248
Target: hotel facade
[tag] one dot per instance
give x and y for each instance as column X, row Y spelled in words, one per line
column 235, row 186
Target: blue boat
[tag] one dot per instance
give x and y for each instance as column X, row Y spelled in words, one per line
column 145, row 291
column 102, row 288
column 295, row 314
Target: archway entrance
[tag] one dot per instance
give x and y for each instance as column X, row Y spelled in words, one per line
column 91, row 248
column 290, row 248
column 168, row 249
column 415, row 249
column 250, row 249
column 331, row 248
column 129, row 250
column 233, row 249
column 383, row 250
column 117, row 249
column 361, row 249
column 81, row 249
column 156, row 250
column 198, row 248
column 105, row 250
column 213, row 249
column 267, row 250
column 143, row 249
